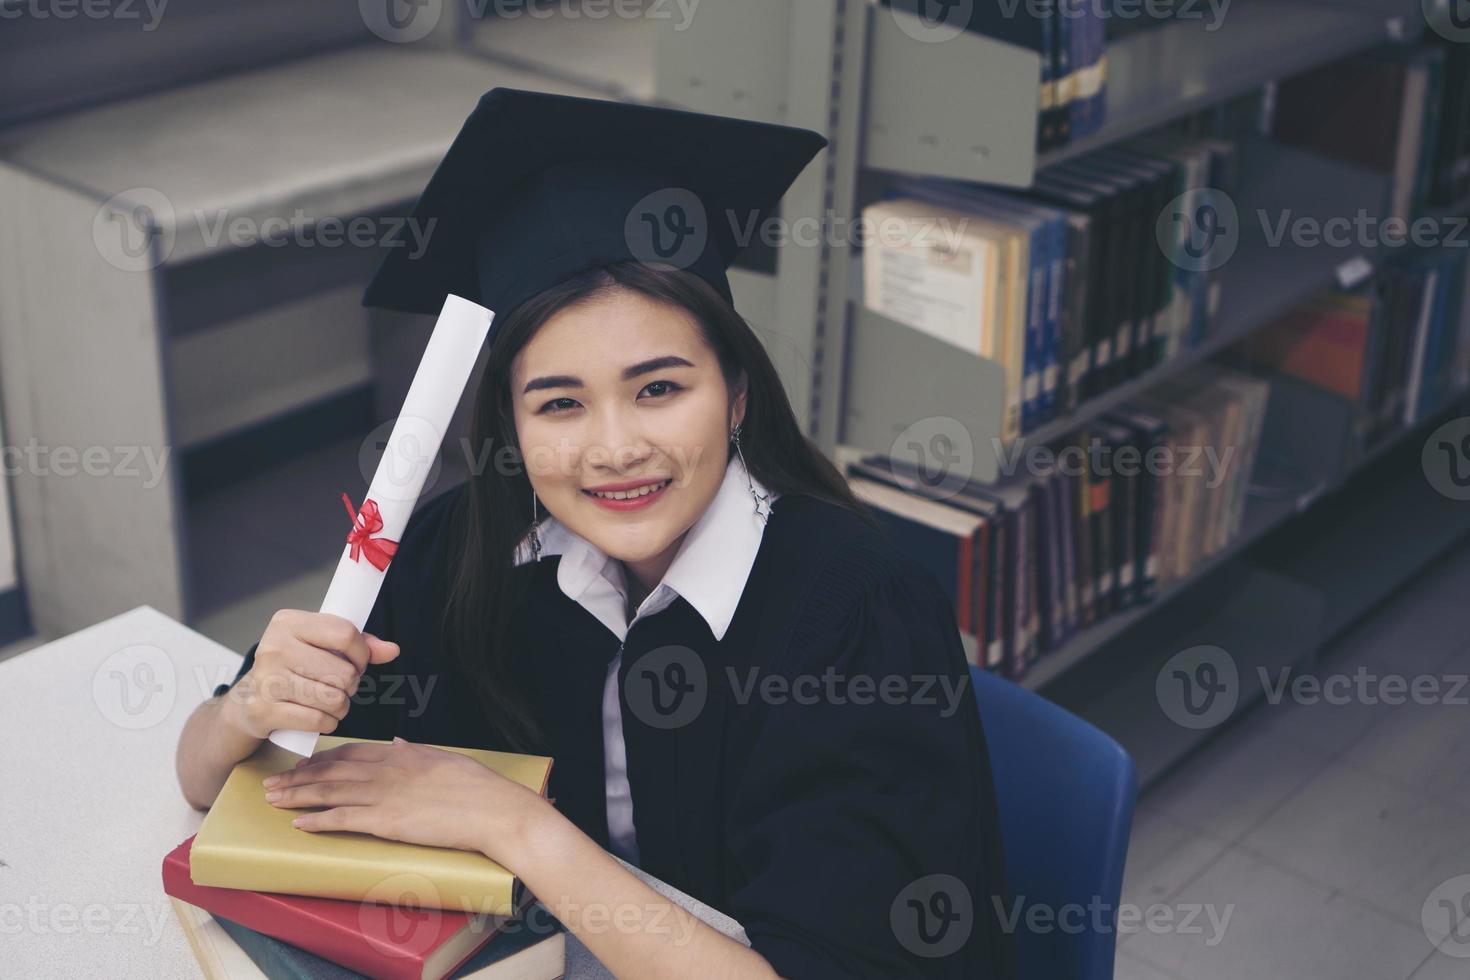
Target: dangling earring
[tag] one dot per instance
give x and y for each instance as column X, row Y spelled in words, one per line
column 762, row 500
column 535, row 529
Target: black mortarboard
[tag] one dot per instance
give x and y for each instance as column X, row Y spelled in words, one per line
column 537, row 188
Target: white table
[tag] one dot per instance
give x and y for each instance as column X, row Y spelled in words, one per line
column 90, row 803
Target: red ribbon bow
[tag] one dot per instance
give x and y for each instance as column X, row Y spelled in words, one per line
column 365, row 524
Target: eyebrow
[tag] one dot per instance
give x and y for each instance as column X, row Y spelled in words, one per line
column 632, row 371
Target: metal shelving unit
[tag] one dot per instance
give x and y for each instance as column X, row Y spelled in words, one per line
column 1263, row 515
column 922, row 118
column 1158, row 75
column 1260, row 281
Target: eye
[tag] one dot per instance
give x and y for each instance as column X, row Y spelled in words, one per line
column 556, row 406
column 669, row 388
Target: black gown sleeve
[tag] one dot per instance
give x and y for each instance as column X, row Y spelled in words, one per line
column 863, row 832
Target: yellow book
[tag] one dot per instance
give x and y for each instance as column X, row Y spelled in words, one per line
column 245, row 842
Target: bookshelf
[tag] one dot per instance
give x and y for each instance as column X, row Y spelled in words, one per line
column 1260, row 281
column 1161, row 74
column 891, row 377
column 1263, row 516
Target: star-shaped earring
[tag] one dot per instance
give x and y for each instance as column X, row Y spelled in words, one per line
column 762, row 504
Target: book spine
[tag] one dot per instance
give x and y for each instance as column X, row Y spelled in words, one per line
column 1035, row 327
column 1046, row 136
column 1099, row 501
column 1051, row 339
column 1082, row 541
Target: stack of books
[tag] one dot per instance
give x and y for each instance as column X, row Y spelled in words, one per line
column 257, row 896
column 1080, row 530
column 1069, row 285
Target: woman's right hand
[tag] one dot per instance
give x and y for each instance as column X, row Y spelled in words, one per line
column 297, row 680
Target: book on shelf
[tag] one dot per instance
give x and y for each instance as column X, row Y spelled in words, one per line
column 948, row 541
column 1070, row 41
column 306, row 936
column 1100, row 523
column 1394, row 346
column 1380, row 110
column 1448, row 179
column 1046, row 231
column 1064, row 285
column 915, row 275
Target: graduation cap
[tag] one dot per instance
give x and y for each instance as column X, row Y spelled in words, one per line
column 537, row 188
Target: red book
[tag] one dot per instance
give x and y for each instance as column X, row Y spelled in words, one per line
column 378, row 940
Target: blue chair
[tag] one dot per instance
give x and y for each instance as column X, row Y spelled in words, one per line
column 1065, row 792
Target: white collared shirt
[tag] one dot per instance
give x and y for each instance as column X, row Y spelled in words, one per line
column 709, row 571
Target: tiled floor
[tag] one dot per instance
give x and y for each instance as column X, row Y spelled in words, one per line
column 1307, row 842
column 1321, row 840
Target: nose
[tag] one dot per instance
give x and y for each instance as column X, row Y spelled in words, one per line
column 619, row 443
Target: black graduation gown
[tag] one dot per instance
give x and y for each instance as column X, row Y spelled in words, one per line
column 815, row 778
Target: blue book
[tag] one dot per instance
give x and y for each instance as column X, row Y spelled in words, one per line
column 523, row 951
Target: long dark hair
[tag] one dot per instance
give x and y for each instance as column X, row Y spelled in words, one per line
column 496, row 511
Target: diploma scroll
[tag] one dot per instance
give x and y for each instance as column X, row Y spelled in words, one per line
column 412, row 449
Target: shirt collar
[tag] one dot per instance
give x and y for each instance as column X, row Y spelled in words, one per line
column 709, row 570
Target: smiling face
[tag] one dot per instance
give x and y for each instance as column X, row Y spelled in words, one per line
column 624, row 419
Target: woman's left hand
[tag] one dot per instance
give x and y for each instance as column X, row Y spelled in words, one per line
column 409, row 792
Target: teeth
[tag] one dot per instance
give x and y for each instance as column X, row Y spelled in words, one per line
column 630, row 494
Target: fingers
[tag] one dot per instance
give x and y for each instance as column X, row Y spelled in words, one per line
column 381, row 650
column 331, row 793
column 324, row 631
column 350, row 752
column 354, row 818
column 308, row 661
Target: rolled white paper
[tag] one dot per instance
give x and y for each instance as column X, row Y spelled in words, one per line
column 412, row 448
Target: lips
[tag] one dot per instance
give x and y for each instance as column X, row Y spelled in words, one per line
column 629, row 497
column 630, row 494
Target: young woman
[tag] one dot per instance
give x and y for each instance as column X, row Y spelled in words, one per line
column 747, row 691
